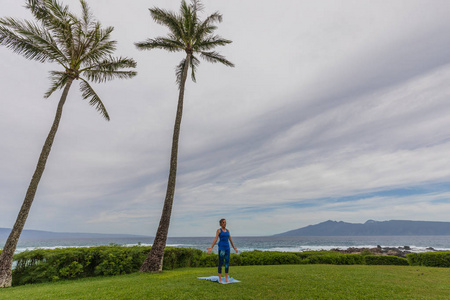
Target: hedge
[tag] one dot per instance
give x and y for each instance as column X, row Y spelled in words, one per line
column 429, row 259
column 385, row 260
column 42, row 265
column 268, row 258
column 334, row 259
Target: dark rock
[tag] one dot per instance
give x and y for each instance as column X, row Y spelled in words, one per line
column 374, row 251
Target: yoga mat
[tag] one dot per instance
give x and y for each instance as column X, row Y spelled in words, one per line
column 216, row 279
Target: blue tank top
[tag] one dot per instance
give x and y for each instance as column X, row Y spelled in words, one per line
column 223, row 242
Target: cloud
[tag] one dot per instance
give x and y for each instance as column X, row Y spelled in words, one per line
column 330, row 107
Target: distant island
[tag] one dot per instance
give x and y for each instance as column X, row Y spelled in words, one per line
column 42, row 235
column 372, row 228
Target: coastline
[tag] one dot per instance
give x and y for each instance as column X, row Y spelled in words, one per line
column 375, row 245
column 394, row 251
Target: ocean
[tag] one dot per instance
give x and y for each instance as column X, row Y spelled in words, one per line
column 263, row 243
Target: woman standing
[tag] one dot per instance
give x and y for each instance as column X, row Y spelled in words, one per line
column 224, row 248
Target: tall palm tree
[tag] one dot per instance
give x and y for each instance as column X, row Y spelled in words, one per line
column 193, row 36
column 82, row 48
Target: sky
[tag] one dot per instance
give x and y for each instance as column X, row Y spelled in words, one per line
column 335, row 110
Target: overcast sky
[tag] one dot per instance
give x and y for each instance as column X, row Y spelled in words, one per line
column 336, row 110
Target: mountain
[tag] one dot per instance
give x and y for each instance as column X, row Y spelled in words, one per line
column 372, row 228
column 42, row 235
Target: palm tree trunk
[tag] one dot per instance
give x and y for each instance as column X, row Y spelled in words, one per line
column 154, row 261
column 6, row 257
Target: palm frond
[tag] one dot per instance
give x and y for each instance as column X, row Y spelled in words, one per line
column 97, row 45
column 59, row 80
column 210, row 43
column 211, row 19
column 59, row 12
column 207, row 27
column 103, row 76
column 215, row 57
column 194, row 63
column 197, row 5
column 110, row 69
column 88, row 92
column 56, row 19
column 168, row 19
column 87, row 17
column 168, row 44
column 79, row 38
column 179, row 70
column 189, row 20
column 59, row 21
column 112, row 64
column 15, row 36
column 33, row 3
column 47, row 11
column 42, row 39
column 45, row 40
column 37, row 8
column 92, row 41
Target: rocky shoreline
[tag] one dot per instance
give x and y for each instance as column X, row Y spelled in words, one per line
column 395, row 251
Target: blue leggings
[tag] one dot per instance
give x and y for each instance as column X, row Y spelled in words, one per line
column 224, row 256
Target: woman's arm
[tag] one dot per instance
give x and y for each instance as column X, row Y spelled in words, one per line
column 214, row 242
column 231, row 241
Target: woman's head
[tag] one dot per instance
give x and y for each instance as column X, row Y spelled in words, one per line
column 222, row 221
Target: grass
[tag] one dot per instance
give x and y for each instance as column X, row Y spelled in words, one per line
column 258, row 282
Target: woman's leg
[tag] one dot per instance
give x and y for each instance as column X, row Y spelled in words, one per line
column 222, row 255
column 227, row 264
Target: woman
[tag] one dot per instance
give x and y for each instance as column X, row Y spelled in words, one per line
column 224, row 248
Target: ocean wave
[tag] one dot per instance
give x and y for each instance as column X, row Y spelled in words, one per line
column 282, row 244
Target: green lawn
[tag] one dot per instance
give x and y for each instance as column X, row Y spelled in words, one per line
column 258, row 282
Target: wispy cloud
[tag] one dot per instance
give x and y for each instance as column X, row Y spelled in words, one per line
column 334, row 111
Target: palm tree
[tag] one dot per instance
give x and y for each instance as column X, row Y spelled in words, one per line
column 82, row 48
column 191, row 35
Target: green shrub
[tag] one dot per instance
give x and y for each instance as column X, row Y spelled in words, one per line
column 235, row 260
column 268, row 258
column 33, row 267
column 385, row 260
column 252, row 258
column 43, row 265
column 336, row 259
column 210, row 260
column 307, row 254
column 72, row 270
column 429, row 259
column 181, row 258
column 114, row 261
